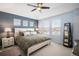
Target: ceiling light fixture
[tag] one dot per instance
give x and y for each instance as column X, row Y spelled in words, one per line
column 38, row 6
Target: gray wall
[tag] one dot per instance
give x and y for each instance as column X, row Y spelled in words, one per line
column 7, row 20
column 64, row 18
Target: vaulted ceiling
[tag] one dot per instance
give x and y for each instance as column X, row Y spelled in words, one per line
column 24, row 10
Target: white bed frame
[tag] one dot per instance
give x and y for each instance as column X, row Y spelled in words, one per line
column 37, row 46
column 34, row 47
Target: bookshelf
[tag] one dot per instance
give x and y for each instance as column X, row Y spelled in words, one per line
column 67, row 41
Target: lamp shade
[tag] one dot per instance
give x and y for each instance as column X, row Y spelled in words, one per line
column 37, row 29
column 7, row 29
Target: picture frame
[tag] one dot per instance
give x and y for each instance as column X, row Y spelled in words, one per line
column 17, row 22
column 25, row 23
column 31, row 23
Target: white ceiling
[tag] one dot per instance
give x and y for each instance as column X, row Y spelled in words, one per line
column 24, row 10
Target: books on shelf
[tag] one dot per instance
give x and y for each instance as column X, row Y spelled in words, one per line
column 67, row 41
column 66, row 44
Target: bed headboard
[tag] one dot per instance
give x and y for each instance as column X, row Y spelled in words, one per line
column 24, row 29
column 29, row 30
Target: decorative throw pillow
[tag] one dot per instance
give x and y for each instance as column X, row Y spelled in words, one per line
column 7, row 42
column 33, row 33
column 26, row 33
column 21, row 33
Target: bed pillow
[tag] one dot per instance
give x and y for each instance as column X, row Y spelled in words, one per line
column 21, row 33
column 27, row 33
column 34, row 33
column 6, row 42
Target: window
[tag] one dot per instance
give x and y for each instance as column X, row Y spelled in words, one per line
column 44, row 27
column 56, row 25
column 17, row 22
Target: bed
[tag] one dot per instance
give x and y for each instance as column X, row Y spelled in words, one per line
column 31, row 43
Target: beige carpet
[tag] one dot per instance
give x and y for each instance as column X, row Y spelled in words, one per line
column 54, row 49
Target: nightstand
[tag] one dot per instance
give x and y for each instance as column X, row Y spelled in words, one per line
column 7, row 42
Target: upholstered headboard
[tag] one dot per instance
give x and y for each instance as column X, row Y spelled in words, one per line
column 24, row 30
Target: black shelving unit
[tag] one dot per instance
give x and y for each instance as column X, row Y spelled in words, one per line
column 67, row 41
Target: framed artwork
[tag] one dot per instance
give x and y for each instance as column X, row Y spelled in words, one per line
column 31, row 24
column 25, row 23
column 17, row 22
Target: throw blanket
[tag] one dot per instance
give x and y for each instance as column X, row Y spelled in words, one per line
column 24, row 42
